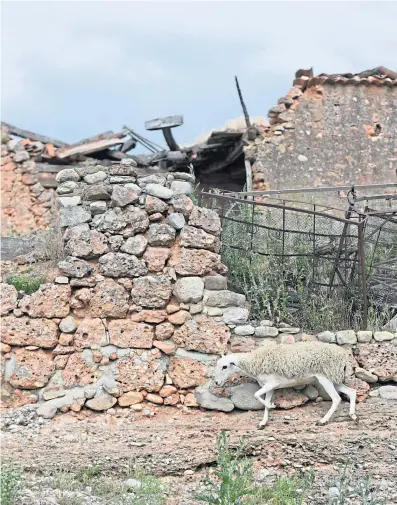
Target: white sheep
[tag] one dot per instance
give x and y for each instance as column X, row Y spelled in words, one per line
column 277, row 366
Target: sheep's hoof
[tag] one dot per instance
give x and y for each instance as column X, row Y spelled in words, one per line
column 321, row 423
column 262, row 426
column 354, row 418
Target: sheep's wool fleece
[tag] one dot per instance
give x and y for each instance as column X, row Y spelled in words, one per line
column 297, row 361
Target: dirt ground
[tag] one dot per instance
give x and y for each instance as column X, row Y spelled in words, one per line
column 178, row 445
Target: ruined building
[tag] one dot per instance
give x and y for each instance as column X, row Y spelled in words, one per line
column 330, row 130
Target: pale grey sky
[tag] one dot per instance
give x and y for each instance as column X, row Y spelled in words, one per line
column 74, row 69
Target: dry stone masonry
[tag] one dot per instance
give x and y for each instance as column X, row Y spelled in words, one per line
column 140, row 310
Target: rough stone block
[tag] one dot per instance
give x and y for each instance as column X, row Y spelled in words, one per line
column 206, row 219
column 203, row 334
column 90, row 332
column 25, row 331
column 266, row 331
column 8, row 298
column 51, row 300
column 32, row 369
column 125, row 333
column 346, row 337
column 121, row 265
column 235, row 315
column 188, row 289
column 224, row 299
column 151, row 291
column 187, row 373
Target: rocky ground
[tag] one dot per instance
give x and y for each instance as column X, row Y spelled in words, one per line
column 177, row 446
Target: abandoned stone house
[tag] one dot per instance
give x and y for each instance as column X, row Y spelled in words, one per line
column 328, row 130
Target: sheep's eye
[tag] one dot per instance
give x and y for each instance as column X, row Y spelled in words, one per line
column 224, row 367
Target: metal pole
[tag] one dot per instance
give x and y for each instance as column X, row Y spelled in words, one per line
column 361, row 249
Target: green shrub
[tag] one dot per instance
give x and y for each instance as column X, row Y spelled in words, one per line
column 10, row 483
column 282, row 280
column 88, row 473
column 348, row 487
column 115, row 491
column 233, row 476
column 27, row 281
column 287, row 490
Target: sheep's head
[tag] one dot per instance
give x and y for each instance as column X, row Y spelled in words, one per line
column 225, row 367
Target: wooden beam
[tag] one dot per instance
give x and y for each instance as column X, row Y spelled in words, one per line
column 100, row 136
column 128, row 145
column 224, row 136
column 90, row 147
column 164, row 122
column 248, row 175
column 109, row 154
column 50, row 150
column 26, row 134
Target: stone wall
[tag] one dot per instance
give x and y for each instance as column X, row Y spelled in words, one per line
column 26, row 205
column 329, row 134
column 140, row 311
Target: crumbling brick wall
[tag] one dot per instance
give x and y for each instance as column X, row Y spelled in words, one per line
column 329, row 134
column 26, row 206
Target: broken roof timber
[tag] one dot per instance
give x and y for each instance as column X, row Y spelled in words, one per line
column 88, row 148
column 26, row 134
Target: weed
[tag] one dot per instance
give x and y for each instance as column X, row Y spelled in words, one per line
column 286, row 490
column 148, row 491
column 10, row 484
column 65, row 498
column 88, row 473
column 27, row 281
column 233, row 476
column 346, row 488
column 285, row 276
column 48, row 245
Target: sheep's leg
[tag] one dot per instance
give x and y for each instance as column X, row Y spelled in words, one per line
column 267, row 390
column 268, row 399
column 330, row 389
column 352, row 394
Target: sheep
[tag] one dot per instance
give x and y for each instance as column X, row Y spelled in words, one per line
column 277, row 366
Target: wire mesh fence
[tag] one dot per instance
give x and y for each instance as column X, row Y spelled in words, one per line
column 308, row 264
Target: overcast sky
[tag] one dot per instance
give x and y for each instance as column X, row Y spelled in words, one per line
column 74, row 69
